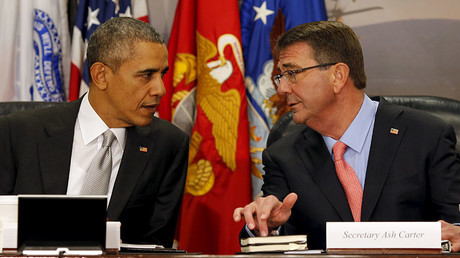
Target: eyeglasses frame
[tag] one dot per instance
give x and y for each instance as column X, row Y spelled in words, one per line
column 277, row 78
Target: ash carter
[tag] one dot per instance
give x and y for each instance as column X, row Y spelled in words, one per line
column 401, row 234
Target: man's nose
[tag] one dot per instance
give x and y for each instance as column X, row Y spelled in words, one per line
column 157, row 88
column 284, row 87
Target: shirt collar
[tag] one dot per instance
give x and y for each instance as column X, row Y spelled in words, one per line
column 355, row 135
column 92, row 126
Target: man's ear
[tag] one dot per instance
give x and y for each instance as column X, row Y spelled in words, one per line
column 340, row 73
column 98, row 73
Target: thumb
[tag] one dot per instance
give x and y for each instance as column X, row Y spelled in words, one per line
column 289, row 202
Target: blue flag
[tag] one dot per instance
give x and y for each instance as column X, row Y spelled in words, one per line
column 261, row 23
column 90, row 14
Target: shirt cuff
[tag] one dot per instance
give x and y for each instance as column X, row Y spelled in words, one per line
column 275, row 232
column 248, row 231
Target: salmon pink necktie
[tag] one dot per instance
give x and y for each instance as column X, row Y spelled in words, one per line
column 349, row 180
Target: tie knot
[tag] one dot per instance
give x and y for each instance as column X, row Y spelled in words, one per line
column 108, row 138
column 339, row 149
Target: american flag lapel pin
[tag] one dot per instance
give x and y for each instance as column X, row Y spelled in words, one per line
column 142, row 149
column 394, row 131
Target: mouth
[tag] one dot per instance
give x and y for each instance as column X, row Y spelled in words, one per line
column 152, row 108
column 292, row 104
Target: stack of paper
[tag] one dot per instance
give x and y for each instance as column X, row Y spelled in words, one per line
column 273, row 243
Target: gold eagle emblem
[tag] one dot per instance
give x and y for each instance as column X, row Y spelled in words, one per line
column 222, row 109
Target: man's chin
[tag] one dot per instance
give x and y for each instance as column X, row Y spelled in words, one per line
column 298, row 119
column 144, row 121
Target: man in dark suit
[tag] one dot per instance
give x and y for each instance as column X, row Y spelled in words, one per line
column 49, row 151
column 401, row 164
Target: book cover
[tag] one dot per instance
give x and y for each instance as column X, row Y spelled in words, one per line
column 273, row 247
column 274, row 240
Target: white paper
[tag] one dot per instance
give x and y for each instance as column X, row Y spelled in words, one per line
column 361, row 235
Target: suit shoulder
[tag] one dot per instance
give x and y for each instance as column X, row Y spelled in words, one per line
column 166, row 128
column 41, row 114
column 415, row 117
column 289, row 136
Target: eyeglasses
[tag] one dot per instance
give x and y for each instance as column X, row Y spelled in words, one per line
column 290, row 74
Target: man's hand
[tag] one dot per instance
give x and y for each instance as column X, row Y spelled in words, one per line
column 266, row 213
column 452, row 233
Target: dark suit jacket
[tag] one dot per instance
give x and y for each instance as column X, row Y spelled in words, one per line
column 411, row 176
column 35, row 153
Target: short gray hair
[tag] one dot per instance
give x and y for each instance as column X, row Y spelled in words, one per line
column 113, row 42
column 331, row 42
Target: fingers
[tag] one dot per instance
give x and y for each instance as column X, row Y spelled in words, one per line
column 247, row 213
column 455, row 247
column 237, row 214
column 289, row 202
column 257, row 213
column 452, row 233
column 266, row 213
column 265, row 208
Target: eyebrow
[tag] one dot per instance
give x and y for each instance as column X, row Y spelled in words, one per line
column 149, row 70
column 152, row 70
column 288, row 66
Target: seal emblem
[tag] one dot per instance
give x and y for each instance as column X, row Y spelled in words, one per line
column 47, row 58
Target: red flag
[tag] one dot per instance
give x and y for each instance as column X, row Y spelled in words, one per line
column 181, row 78
column 207, row 99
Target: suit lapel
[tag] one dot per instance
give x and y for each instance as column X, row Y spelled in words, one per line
column 387, row 135
column 319, row 164
column 55, row 151
column 132, row 166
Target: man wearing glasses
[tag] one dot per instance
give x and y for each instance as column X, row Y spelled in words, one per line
column 357, row 159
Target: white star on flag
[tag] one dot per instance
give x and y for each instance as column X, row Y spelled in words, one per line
column 92, row 17
column 262, row 12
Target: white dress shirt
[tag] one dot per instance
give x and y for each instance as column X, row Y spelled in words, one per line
column 87, row 141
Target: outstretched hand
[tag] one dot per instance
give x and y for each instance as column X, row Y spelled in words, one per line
column 452, row 233
column 266, row 213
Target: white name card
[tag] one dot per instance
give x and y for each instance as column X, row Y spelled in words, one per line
column 362, row 235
